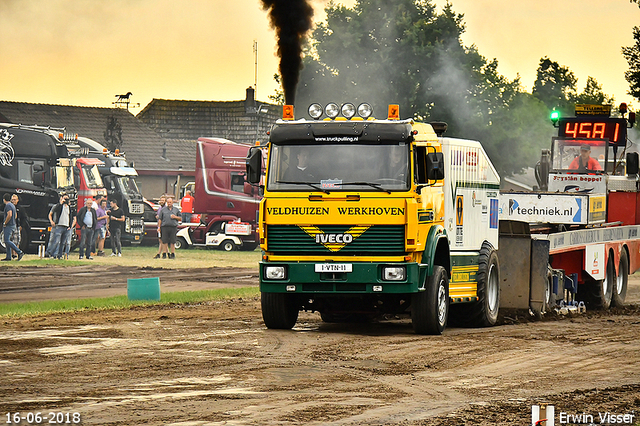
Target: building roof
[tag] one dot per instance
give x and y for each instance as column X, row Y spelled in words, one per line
column 243, row 121
column 142, row 145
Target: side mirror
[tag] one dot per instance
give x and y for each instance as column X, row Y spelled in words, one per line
column 248, row 189
column 254, row 165
column 632, row 163
column 435, row 166
column 38, row 178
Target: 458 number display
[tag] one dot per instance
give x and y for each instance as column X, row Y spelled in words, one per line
column 39, row 418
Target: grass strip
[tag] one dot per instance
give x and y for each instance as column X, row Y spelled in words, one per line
column 122, row 302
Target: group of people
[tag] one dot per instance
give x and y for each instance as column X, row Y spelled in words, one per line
column 169, row 217
column 95, row 219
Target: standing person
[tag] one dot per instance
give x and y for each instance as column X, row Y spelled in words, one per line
column 162, row 248
column 96, row 204
column 9, row 227
column 101, row 226
column 87, row 218
column 186, row 204
column 61, row 224
column 168, row 219
column 16, row 236
column 116, row 223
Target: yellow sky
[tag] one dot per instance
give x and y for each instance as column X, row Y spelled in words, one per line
column 84, row 52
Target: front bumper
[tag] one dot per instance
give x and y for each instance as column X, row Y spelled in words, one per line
column 364, row 278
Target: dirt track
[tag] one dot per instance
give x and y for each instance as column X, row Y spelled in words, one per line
column 215, row 364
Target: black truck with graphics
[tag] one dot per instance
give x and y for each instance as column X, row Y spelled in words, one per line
column 36, row 163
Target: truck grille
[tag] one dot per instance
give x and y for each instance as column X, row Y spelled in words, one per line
column 136, row 208
column 137, row 225
column 376, row 240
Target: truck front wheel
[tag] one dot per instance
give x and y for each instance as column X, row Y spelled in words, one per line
column 430, row 308
column 279, row 310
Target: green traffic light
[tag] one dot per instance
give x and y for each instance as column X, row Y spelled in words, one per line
column 555, row 116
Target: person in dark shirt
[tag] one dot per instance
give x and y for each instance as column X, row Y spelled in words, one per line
column 9, row 227
column 116, row 223
column 168, row 219
column 87, row 219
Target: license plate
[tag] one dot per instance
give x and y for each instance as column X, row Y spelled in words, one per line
column 137, row 237
column 333, row 267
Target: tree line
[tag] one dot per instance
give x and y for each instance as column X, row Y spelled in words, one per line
column 409, row 53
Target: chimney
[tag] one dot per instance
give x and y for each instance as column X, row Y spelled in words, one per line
column 250, row 101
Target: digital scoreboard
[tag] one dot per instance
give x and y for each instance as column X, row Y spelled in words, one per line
column 594, row 127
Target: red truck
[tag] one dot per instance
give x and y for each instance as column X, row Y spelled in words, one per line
column 222, row 196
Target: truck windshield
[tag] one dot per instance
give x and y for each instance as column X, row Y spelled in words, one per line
column 92, row 176
column 579, row 155
column 128, row 186
column 339, row 167
column 64, row 176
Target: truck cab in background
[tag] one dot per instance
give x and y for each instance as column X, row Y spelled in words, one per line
column 36, row 164
column 222, row 196
column 119, row 180
column 87, row 179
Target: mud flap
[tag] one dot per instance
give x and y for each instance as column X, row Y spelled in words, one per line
column 523, row 267
column 539, row 275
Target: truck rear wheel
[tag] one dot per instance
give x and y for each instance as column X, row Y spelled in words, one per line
column 279, row 310
column 430, row 308
column 598, row 293
column 484, row 312
column 619, row 293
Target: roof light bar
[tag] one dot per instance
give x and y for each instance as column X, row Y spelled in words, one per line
column 365, row 110
column 315, row 111
column 332, row 110
column 348, row 110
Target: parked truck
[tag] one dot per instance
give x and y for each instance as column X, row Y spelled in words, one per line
column 87, row 179
column 225, row 202
column 119, row 180
column 363, row 217
column 36, row 163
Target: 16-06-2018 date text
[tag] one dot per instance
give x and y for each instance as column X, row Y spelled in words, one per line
column 51, row 417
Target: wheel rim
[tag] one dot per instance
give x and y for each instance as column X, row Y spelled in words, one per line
column 228, row 247
column 620, row 281
column 442, row 303
column 492, row 289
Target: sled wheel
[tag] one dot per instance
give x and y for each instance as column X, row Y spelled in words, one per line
column 619, row 291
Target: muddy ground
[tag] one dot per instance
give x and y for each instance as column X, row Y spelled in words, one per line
column 216, row 364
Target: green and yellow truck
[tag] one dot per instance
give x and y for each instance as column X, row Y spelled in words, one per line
column 364, row 217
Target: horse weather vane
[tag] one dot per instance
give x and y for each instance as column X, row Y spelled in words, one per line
column 123, row 101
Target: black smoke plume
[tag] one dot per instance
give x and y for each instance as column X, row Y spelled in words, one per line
column 291, row 19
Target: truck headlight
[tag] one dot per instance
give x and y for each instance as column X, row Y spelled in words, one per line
column 394, row 273
column 275, row 272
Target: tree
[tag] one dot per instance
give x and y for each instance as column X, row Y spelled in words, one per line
column 593, row 94
column 278, row 95
column 405, row 52
column 632, row 55
column 555, row 86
